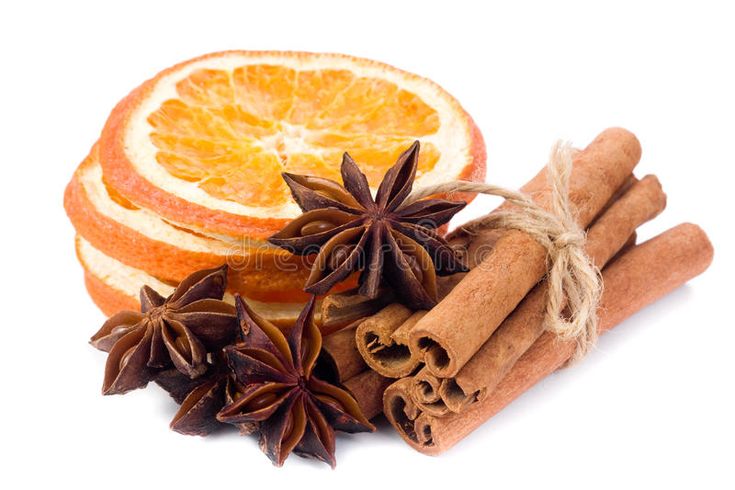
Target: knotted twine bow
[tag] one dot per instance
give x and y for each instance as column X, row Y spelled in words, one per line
column 573, row 281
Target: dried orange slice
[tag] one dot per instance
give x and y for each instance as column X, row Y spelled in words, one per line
column 142, row 240
column 203, row 143
column 114, row 286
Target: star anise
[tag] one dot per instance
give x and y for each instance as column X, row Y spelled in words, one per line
column 295, row 411
column 383, row 237
column 176, row 331
column 202, row 398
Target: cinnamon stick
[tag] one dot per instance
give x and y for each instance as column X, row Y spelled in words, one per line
column 424, row 391
column 475, row 242
column 368, row 388
column 638, row 202
column 437, row 396
column 627, row 184
column 490, row 291
column 643, row 201
column 635, row 279
column 340, row 362
column 425, row 387
column 394, row 356
column 632, row 241
column 339, row 359
column 340, row 310
column 382, row 340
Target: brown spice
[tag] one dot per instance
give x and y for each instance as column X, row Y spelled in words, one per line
column 637, row 278
column 340, row 310
column 490, row 291
column 608, row 235
column 385, row 238
column 368, row 388
column 177, row 331
column 424, row 390
column 340, row 357
column 294, row 409
column 382, row 340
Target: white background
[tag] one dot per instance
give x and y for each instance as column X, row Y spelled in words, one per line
column 652, row 406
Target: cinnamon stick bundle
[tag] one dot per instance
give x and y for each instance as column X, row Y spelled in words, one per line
column 640, row 201
column 635, row 279
column 643, row 201
column 490, row 291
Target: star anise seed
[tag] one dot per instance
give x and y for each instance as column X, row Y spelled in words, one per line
column 295, row 411
column 176, row 331
column 384, row 238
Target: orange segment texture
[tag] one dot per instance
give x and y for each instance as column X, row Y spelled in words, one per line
column 261, row 273
column 234, row 132
column 203, row 143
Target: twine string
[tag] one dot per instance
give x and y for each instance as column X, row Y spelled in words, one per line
column 573, row 280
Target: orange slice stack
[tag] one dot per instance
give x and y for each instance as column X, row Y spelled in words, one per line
column 187, row 171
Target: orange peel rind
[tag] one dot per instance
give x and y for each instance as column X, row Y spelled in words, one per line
column 203, row 143
column 187, row 172
column 114, row 286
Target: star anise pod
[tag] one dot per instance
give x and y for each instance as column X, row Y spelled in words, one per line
column 383, row 237
column 202, row 398
column 176, row 331
column 295, row 411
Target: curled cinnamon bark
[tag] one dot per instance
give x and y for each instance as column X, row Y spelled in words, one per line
column 387, row 336
column 635, row 279
column 340, row 363
column 368, row 388
column 382, row 340
column 642, row 202
column 339, row 359
column 340, row 310
column 517, row 261
column 424, row 389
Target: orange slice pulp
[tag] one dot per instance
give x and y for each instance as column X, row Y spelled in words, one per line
column 203, row 144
